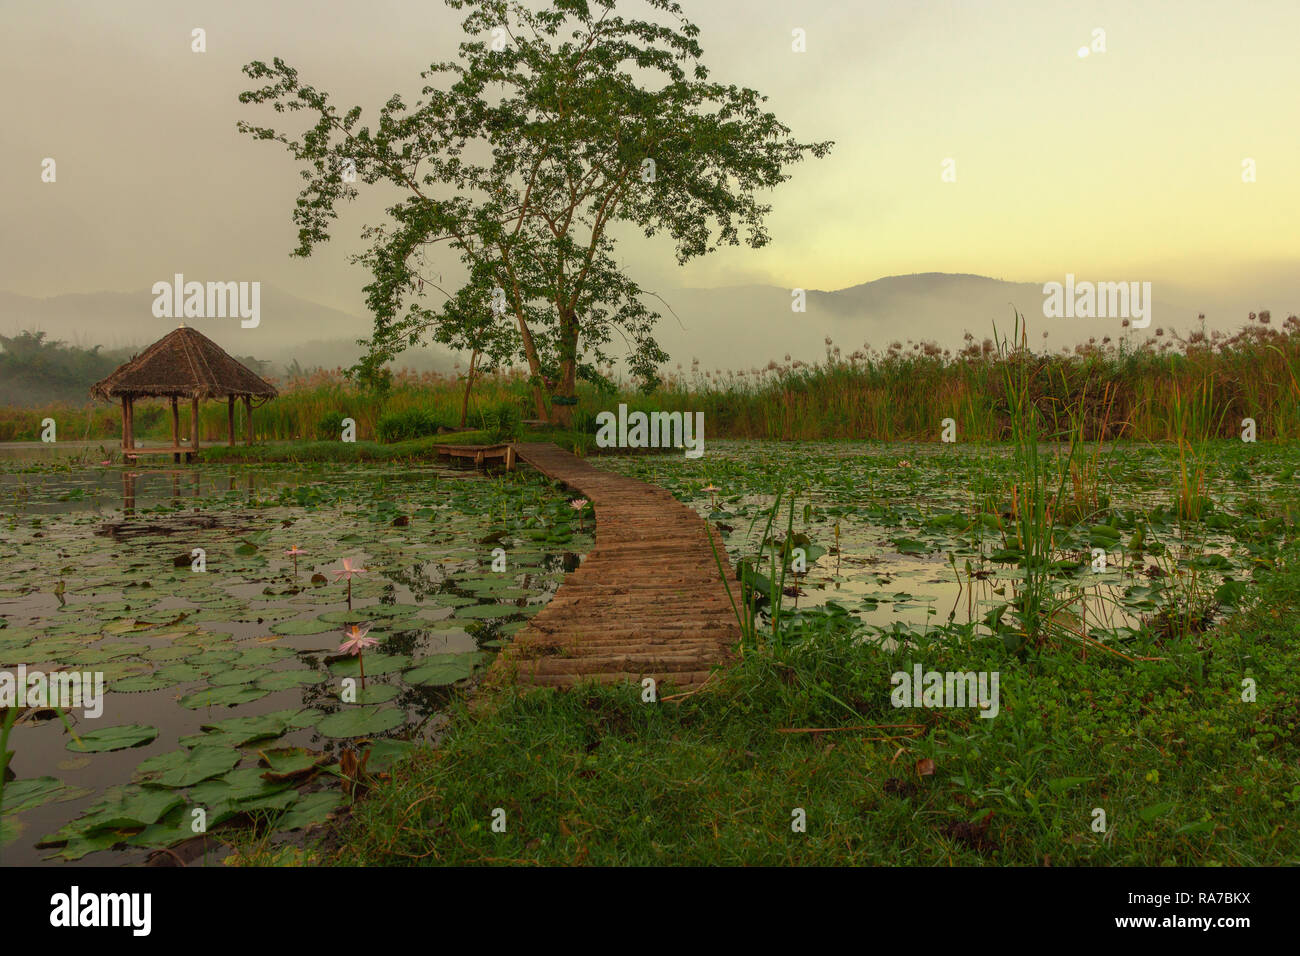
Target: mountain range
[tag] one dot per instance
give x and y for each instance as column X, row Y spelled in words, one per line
column 724, row 328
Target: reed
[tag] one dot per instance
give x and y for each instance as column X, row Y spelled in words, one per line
column 899, row 393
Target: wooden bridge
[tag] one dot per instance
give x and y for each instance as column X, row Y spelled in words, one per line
column 647, row 601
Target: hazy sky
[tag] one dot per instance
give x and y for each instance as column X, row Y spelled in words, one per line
column 1123, row 165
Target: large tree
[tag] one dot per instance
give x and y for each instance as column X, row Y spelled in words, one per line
column 552, row 126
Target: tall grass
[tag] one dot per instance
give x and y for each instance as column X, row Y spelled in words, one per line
column 1037, row 490
column 899, row 393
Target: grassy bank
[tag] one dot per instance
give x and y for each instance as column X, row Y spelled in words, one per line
column 1185, row 770
column 415, row 448
column 901, row 392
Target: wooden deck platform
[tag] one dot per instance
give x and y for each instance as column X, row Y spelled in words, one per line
column 174, row 450
column 647, row 601
column 480, row 454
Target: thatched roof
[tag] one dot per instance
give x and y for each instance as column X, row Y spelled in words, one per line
column 185, row 363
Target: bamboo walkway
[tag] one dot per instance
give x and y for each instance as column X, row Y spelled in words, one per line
column 646, row 602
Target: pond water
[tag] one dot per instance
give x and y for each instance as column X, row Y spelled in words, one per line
column 903, row 538
column 224, row 682
column 220, row 662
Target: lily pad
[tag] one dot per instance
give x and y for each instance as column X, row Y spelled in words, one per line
column 113, row 738
column 376, row 664
column 24, row 794
column 310, row 810
column 361, row 721
column 441, row 670
column 313, row 626
column 283, row 680
column 263, row 726
column 222, row 696
column 285, row 763
column 183, row 768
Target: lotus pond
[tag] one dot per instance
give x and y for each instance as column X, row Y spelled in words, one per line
column 902, row 539
column 222, row 673
column 223, row 686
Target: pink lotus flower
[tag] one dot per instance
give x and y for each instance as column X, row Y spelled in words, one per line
column 356, row 643
column 357, row 640
column 347, row 572
column 577, row 505
column 293, row 553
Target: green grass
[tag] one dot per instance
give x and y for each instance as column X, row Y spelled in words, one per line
column 416, row 448
column 898, row 392
column 1186, row 772
column 338, row 450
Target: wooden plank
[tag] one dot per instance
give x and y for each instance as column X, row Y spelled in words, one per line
column 171, row 450
column 648, row 600
column 474, row 451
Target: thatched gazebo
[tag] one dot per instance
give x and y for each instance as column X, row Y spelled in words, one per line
column 184, row 363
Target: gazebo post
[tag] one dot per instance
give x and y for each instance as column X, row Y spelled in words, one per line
column 230, row 417
column 126, row 428
column 194, row 425
column 130, row 423
column 248, row 406
column 176, row 429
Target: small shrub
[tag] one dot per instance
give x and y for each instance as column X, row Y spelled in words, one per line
column 408, row 424
column 330, row 426
column 584, row 421
column 502, row 422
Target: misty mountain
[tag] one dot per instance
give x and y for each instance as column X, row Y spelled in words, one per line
column 725, row 328
column 748, row 326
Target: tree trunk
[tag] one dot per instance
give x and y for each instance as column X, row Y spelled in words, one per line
column 562, row 415
column 534, row 367
column 469, row 383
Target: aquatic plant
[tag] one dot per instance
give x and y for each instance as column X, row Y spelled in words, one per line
column 712, row 490
column 348, row 572
column 579, row 505
column 756, row 587
column 356, row 642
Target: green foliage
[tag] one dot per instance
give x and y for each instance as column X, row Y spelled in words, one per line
column 408, row 424
column 891, row 395
column 1186, row 771
column 502, row 422
column 34, row 371
column 330, row 426
column 589, row 120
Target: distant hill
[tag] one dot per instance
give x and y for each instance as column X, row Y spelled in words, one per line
column 748, row 326
column 290, row 328
column 725, row 328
